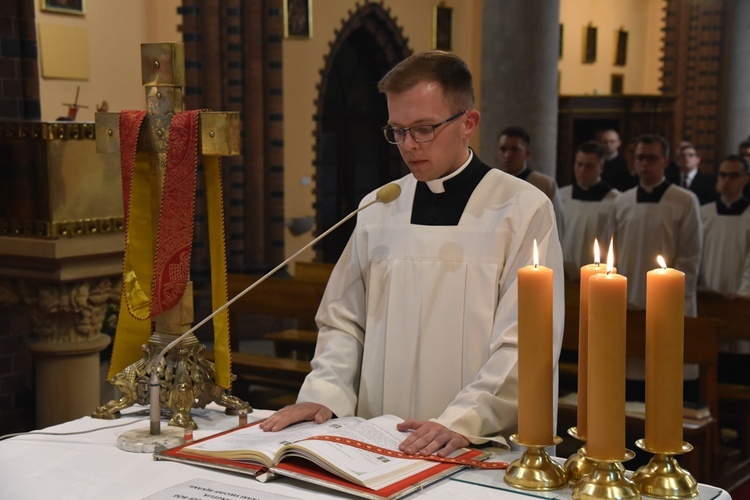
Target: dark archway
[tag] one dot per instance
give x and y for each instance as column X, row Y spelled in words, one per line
column 352, row 157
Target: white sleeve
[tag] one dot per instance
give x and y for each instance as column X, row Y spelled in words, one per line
column 488, row 406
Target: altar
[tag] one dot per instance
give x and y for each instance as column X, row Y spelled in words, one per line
column 81, row 461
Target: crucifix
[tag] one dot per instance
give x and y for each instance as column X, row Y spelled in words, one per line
column 159, row 150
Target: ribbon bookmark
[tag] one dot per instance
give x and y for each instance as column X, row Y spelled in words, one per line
column 398, row 454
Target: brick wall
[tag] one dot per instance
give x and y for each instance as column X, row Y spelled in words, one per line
column 19, row 71
column 19, row 99
column 16, row 386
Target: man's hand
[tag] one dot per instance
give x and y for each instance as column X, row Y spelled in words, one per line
column 429, row 438
column 292, row 414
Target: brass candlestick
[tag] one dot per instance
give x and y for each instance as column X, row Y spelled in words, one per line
column 535, row 470
column 607, row 480
column 577, row 465
column 662, row 476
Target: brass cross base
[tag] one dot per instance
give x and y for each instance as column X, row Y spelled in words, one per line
column 607, row 480
column 186, row 379
column 535, row 470
column 663, row 477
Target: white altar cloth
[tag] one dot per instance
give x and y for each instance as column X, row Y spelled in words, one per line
column 90, row 466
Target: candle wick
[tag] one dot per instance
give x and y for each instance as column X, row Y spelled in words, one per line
column 609, row 271
column 536, row 265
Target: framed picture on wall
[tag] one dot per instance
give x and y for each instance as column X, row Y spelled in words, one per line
column 75, row 7
column 298, row 19
column 560, row 52
column 442, row 36
column 617, row 83
column 621, row 47
column 589, row 44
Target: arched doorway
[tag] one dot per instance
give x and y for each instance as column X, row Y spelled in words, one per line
column 352, row 157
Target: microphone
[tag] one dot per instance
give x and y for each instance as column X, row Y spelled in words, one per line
column 384, row 195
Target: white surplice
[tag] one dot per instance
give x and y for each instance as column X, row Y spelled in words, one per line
column 585, row 221
column 421, row 321
column 725, row 265
column 671, row 228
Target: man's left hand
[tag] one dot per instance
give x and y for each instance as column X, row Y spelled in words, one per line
column 429, row 438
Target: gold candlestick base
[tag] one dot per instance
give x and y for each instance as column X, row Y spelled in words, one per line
column 535, row 470
column 662, row 476
column 577, row 465
column 607, row 480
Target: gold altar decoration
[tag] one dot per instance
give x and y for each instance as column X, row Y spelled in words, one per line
column 607, row 480
column 535, row 470
column 186, row 379
column 42, row 195
column 662, row 476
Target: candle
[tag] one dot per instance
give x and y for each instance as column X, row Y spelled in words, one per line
column 583, row 338
column 665, row 328
column 606, row 364
column 535, row 354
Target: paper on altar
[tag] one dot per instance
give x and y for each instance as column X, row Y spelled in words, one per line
column 201, row 489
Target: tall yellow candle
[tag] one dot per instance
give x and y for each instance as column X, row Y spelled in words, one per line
column 583, row 339
column 665, row 330
column 535, row 354
column 606, row 364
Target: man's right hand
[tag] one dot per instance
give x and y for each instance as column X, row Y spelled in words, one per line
column 292, row 414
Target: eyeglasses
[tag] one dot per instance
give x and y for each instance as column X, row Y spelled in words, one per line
column 730, row 175
column 647, row 158
column 420, row 133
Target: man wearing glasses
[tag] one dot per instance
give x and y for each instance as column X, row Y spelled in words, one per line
column 419, row 318
column 725, row 266
column 656, row 218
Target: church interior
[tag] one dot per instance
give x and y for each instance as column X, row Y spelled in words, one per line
column 293, row 84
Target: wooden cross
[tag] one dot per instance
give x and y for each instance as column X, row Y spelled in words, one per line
column 186, row 377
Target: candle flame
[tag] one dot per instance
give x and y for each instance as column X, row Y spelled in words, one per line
column 536, row 255
column 597, row 258
column 661, row 261
column 611, row 256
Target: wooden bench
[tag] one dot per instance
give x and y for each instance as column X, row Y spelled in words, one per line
column 700, row 348
column 267, row 370
column 734, row 325
column 291, row 298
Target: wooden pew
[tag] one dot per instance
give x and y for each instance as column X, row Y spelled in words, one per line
column 292, row 298
column 734, row 325
column 700, row 348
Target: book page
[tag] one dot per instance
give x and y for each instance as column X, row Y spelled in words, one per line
column 253, row 443
column 362, row 467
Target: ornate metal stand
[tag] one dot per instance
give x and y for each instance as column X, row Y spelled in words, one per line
column 186, row 380
column 577, row 465
column 535, row 470
column 662, row 476
column 607, row 480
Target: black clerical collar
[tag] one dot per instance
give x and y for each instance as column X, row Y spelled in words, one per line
column 643, row 196
column 594, row 193
column 736, row 208
column 445, row 209
column 524, row 173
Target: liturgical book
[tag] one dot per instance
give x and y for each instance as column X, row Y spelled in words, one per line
column 349, row 454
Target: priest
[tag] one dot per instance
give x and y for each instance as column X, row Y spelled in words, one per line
column 419, row 318
column 588, row 206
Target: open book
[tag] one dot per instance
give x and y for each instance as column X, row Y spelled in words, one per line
column 299, row 452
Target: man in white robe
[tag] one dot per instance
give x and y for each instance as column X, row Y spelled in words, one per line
column 657, row 218
column 513, row 154
column 419, row 318
column 725, row 265
column 588, row 205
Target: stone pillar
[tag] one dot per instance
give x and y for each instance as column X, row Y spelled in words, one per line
column 734, row 106
column 67, row 320
column 520, row 47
